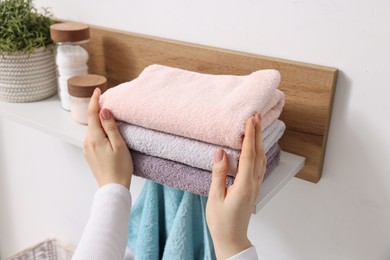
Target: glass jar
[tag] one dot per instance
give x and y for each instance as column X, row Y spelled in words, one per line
column 81, row 88
column 71, row 40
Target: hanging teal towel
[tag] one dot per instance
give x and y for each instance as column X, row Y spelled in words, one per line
column 166, row 223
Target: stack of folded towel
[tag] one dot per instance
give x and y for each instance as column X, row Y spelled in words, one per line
column 173, row 120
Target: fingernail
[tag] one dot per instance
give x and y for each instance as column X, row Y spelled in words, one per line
column 253, row 121
column 218, row 155
column 257, row 119
column 106, row 114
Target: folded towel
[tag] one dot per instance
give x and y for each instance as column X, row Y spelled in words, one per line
column 272, row 153
column 273, row 159
column 209, row 108
column 173, row 174
column 167, row 223
column 182, row 176
column 189, row 151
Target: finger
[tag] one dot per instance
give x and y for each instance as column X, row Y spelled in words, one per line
column 111, row 129
column 248, row 154
column 260, row 161
column 218, row 181
column 95, row 130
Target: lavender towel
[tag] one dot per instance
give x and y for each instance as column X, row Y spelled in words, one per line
column 273, row 158
column 209, row 108
column 184, row 177
column 189, row 151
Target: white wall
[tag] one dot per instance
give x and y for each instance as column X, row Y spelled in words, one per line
column 345, row 216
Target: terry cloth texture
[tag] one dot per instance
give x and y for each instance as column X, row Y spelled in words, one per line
column 209, row 108
column 166, row 223
column 274, row 155
column 189, row 151
column 182, row 176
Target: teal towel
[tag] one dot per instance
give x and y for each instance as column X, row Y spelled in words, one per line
column 166, row 223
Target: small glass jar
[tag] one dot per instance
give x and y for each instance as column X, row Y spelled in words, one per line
column 71, row 40
column 81, row 88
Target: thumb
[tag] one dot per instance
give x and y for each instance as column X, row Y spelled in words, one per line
column 218, row 181
column 110, row 127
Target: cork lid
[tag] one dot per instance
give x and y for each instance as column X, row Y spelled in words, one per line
column 69, row 32
column 84, row 85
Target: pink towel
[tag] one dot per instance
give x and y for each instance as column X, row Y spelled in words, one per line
column 189, row 151
column 209, row 108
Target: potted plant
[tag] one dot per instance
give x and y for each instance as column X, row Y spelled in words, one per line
column 27, row 66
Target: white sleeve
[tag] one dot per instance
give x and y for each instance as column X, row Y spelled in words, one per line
column 247, row 254
column 105, row 235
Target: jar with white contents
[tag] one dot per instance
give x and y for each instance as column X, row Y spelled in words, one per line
column 81, row 88
column 71, row 40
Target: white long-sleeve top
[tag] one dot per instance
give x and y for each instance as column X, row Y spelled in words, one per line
column 105, row 235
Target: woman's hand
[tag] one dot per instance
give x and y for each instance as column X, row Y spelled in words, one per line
column 104, row 148
column 228, row 211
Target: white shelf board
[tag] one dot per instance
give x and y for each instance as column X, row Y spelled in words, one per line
column 289, row 165
column 49, row 117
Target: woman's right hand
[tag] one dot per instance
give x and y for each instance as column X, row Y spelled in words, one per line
column 104, row 148
column 229, row 210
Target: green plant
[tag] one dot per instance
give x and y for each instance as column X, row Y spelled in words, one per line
column 22, row 27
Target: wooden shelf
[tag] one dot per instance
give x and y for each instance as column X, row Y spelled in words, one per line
column 308, row 88
column 48, row 116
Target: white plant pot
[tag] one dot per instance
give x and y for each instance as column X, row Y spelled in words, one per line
column 28, row 77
